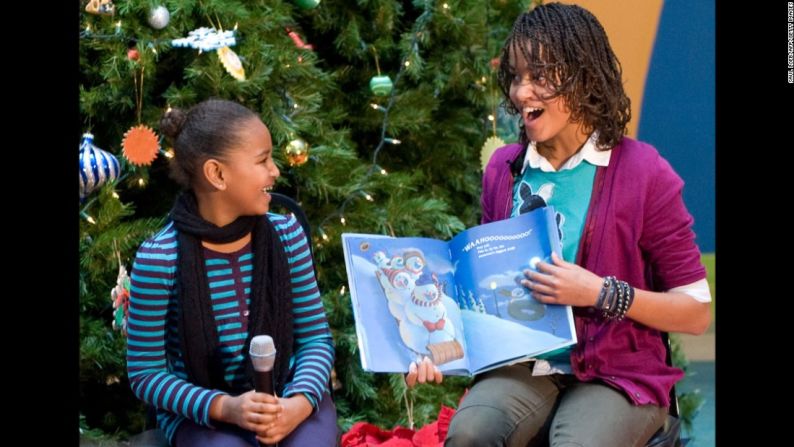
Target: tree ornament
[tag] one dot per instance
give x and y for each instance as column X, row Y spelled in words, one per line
column 231, row 62
column 159, row 17
column 491, row 144
column 96, row 166
column 140, row 145
column 380, row 85
column 133, row 54
column 120, row 296
column 307, row 4
column 298, row 41
column 297, row 152
column 100, row 7
column 206, row 39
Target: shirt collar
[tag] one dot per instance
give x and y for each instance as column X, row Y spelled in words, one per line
column 589, row 153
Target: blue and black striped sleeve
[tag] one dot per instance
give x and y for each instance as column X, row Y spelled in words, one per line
column 151, row 293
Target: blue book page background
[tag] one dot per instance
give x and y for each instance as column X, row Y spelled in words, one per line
column 501, row 318
column 383, row 273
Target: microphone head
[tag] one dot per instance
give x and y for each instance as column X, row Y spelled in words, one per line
column 262, row 353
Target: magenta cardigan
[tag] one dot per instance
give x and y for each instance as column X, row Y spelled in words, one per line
column 638, row 229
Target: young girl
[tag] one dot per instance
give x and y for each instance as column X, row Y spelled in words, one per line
column 221, row 271
column 631, row 268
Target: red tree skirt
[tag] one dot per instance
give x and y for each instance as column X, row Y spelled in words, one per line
column 364, row 434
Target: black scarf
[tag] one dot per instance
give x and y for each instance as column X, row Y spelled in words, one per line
column 270, row 311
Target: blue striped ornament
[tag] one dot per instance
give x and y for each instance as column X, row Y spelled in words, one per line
column 96, row 166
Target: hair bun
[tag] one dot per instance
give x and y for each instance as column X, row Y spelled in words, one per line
column 171, row 123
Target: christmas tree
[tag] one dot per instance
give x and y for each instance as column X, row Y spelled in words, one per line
column 377, row 111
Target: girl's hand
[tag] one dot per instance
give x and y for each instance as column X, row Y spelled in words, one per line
column 251, row 410
column 563, row 283
column 424, row 372
column 296, row 409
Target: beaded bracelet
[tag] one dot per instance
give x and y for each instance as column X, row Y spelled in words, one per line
column 615, row 298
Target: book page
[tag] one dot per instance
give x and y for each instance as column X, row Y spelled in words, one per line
column 400, row 290
column 503, row 321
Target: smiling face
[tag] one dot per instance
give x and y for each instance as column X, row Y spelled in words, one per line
column 426, row 292
column 249, row 170
column 546, row 118
column 401, row 280
column 414, row 263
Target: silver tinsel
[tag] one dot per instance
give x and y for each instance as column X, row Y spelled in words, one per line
column 159, row 17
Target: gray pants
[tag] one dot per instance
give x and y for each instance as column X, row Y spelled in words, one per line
column 511, row 407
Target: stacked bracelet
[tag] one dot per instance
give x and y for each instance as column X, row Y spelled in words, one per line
column 615, row 298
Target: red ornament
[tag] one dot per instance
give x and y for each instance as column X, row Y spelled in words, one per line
column 495, row 63
column 133, row 54
column 298, row 41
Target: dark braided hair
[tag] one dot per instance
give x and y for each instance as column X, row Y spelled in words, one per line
column 568, row 46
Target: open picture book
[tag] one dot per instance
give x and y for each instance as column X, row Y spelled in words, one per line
column 460, row 302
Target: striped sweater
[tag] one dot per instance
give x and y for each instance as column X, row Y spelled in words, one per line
column 154, row 364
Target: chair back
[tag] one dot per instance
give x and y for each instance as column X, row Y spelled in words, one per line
column 292, row 206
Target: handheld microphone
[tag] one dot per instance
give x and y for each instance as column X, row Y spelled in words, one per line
column 263, row 356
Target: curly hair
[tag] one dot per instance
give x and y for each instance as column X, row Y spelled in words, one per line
column 568, row 46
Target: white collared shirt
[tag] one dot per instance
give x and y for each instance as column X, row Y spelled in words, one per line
column 588, row 152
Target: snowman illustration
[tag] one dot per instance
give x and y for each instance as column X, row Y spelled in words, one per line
column 397, row 286
column 414, row 263
column 397, row 262
column 427, row 324
column 381, row 260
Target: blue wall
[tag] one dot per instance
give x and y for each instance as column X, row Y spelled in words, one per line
column 677, row 114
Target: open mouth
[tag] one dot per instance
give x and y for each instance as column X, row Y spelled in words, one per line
column 532, row 113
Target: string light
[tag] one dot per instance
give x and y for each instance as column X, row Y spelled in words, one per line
column 445, row 6
column 141, row 182
column 392, row 140
column 383, row 172
column 378, row 107
column 342, row 290
column 407, row 63
column 118, row 27
column 491, row 118
column 87, row 218
column 169, row 153
column 115, row 195
column 342, row 219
